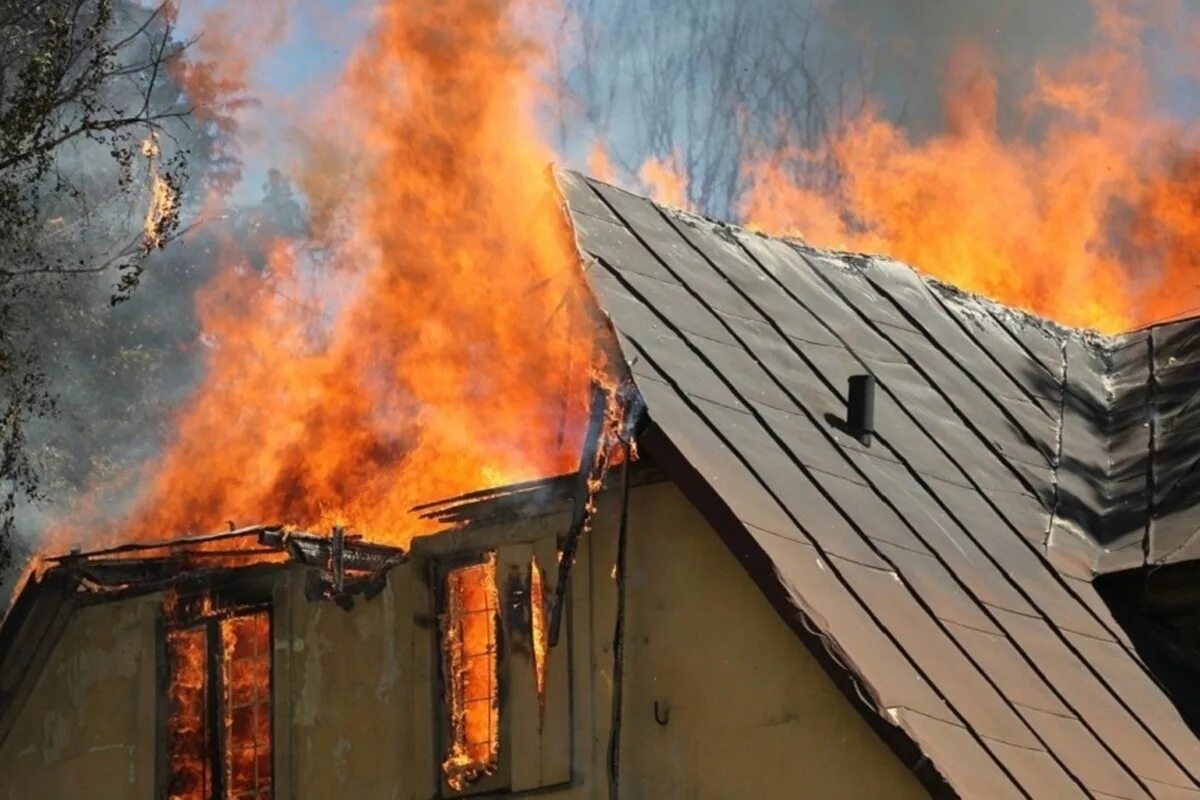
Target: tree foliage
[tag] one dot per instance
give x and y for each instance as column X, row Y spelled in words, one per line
column 93, row 121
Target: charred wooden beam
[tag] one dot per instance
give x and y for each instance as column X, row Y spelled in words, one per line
column 591, row 447
column 183, row 541
column 337, row 559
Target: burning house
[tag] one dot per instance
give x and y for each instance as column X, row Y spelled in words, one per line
column 843, row 532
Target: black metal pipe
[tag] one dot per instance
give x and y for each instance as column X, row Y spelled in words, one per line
column 860, row 411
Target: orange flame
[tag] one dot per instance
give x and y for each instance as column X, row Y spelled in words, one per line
column 448, row 348
column 1091, row 222
column 665, row 181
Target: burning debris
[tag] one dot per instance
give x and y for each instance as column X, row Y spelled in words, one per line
column 163, row 209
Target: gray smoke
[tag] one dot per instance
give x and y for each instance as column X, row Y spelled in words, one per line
column 699, row 79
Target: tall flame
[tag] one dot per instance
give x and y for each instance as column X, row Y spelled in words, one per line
column 448, row 348
column 1086, row 216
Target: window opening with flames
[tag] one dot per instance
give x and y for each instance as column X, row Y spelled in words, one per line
column 219, row 714
column 471, row 664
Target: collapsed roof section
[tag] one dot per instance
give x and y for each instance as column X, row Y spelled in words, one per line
column 948, row 566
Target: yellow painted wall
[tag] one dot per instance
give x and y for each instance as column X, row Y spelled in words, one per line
column 87, row 728
column 343, row 730
column 753, row 715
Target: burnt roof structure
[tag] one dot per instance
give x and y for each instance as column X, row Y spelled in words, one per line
column 950, row 573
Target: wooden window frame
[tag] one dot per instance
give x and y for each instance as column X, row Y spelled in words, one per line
column 537, row 747
column 206, row 608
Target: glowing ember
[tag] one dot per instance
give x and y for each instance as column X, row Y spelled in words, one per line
column 470, row 659
column 1090, row 222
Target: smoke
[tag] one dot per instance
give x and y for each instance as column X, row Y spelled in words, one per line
column 116, row 373
column 702, row 82
column 909, row 44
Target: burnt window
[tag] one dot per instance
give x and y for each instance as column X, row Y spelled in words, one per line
column 218, row 673
column 504, row 698
column 471, row 665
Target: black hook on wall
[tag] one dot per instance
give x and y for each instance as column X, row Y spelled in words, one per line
column 662, row 716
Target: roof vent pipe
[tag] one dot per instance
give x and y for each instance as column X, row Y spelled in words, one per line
column 860, row 412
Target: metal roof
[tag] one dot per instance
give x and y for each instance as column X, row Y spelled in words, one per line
column 948, row 568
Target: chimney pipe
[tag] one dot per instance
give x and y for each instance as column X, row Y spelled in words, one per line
column 860, row 411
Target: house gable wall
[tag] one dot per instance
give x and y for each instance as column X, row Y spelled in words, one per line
column 751, row 712
column 87, row 727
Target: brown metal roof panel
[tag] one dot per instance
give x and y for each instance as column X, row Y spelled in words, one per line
column 1086, row 592
column 855, row 637
column 1084, row 756
column 996, row 653
column 1174, row 538
column 713, row 459
column 580, row 198
column 754, row 385
column 1010, row 432
column 823, row 520
column 968, row 767
column 1144, row 697
column 820, row 444
column 1034, row 361
column 1041, row 338
column 939, row 657
column 787, row 363
column 666, row 244
column 680, row 308
column 730, row 260
column 1027, row 569
column 937, row 588
column 1164, row 791
column 847, row 274
column 944, row 535
column 1038, row 771
column 616, row 246
column 671, row 355
column 799, row 280
column 911, row 294
column 1095, row 702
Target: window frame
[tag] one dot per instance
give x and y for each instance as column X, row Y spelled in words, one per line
column 521, row 750
column 206, row 608
column 498, row 781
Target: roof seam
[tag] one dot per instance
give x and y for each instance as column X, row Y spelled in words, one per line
column 1058, row 448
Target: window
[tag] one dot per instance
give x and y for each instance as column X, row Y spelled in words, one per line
column 504, row 695
column 219, row 704
column 470, row 655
